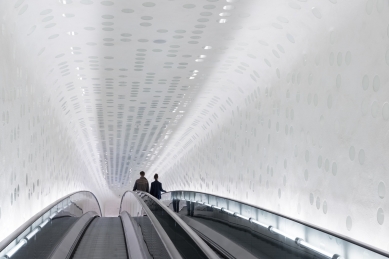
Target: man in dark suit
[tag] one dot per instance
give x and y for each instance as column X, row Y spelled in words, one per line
column 156, row 188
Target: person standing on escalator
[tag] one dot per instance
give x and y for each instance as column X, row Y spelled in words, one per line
column 156, row 188
column 141, row 184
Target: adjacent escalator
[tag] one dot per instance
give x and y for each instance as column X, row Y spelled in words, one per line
column 233, row 237
column 256, row 244
column 179, row 239
column 44, row 242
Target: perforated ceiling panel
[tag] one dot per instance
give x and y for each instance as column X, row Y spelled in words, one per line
column 132, row 67
column 123, row 72
column 278, row 103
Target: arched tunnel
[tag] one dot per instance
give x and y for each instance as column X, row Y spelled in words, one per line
column 278, row 105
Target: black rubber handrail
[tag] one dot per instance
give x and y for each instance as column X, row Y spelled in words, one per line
column 8, row 240
column 350, row 240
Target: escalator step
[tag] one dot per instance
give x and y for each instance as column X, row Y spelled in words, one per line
column 44, row 242
column 153, row 242
column 103, row 239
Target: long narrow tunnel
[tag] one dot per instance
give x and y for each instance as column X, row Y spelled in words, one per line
column 282, row 105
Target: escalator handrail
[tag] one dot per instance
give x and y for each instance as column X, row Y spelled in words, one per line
column 8, row 240
column 136, row 246
column 329, row 232
column 199, row 242
column 69, row 242
column 170, row 247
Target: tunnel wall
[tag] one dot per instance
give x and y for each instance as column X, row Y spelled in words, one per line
column 293, row 116
column 298, row 123
column 41, row 158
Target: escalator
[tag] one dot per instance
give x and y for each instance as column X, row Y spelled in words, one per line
column 143, row 230
column 236, row 229
column 264, row 248
column 179, row 239
column 147, row 229
column 104, row 238
column 233, row 237
column 172, row 228
column 42, row 244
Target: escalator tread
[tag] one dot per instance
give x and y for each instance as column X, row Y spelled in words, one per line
column 104, row 238
column 153, row 242
column 44, row 242
column 253, row 243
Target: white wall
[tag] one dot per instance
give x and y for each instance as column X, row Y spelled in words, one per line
column 297, row 118
column 41, row 157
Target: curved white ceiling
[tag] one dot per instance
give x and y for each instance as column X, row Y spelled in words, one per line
column 126, row 72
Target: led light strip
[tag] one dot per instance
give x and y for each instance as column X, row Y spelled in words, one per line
column 299, row 241
column 228, row 211
column 304, row 244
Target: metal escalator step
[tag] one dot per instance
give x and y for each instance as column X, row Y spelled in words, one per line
column 103, row 239
column 153, row 242
column 44, row 242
